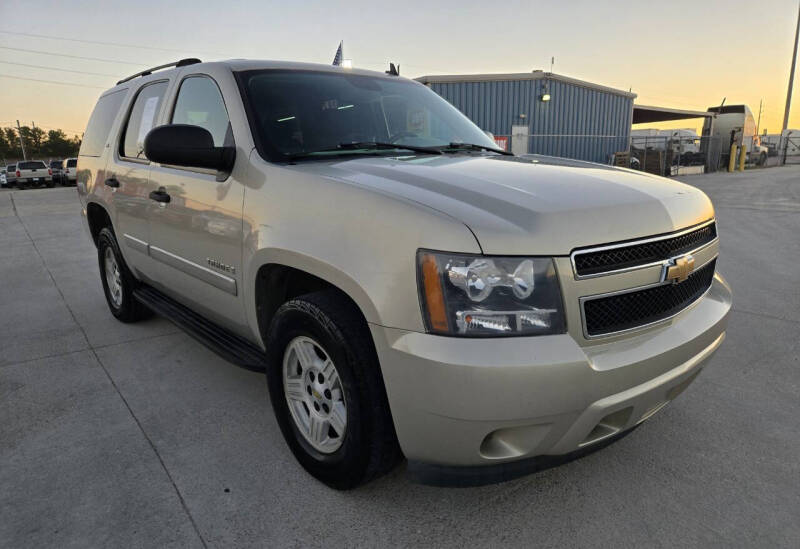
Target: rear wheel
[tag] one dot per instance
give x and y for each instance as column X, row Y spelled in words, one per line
column 118, row 282
column 327, row 391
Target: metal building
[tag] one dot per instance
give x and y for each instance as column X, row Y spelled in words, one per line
column 542, row 112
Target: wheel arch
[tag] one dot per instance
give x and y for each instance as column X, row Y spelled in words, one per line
column 97, row 217
column 278, row 275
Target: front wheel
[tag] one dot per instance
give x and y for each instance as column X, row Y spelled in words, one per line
column 327, row 390
column 118, row 282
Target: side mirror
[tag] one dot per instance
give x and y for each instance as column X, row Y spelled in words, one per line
column 187, row 145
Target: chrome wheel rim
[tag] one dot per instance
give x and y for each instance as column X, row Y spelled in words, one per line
column 314, row 394
column 113, row 278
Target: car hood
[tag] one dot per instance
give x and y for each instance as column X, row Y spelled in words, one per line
column 533, row 204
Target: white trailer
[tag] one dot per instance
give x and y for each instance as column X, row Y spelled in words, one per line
column 735, row 124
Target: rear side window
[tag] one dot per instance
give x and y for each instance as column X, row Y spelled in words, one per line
column 31, row 165
column 94, row 140
column 200, row 103
column 142, row 119
column 72, row 163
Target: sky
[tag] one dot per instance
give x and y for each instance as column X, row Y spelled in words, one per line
column 685, row 54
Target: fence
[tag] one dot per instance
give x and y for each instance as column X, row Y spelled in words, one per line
column 782, row 149
column 675, row 155
column 666, row 155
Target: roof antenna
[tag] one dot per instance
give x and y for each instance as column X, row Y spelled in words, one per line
column 393, row 71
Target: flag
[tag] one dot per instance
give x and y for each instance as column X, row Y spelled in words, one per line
column 337, row 60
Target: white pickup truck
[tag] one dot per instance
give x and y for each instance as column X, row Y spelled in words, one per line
column 33, row 172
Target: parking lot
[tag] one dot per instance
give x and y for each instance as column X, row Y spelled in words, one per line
column 136, row 435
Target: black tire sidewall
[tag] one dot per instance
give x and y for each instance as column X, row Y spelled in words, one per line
column 125, row 311
column 345, row 467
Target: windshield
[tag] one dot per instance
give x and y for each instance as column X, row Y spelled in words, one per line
column 55, row 164
column 72, row 163
column 297, row 112
column 30, row 165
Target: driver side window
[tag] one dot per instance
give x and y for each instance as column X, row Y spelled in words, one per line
column 200, row 103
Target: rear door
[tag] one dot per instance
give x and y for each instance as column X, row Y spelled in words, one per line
column 128, row 175
column 196, row 237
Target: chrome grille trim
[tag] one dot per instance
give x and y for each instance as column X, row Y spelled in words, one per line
column 633, row 243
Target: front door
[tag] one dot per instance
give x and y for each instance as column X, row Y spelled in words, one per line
column 196, row 236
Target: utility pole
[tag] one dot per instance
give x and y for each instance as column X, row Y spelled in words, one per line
column 758, row 124
column 791, row 73
column 21, row 143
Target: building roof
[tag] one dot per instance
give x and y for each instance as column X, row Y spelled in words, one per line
column 535, row 75
column 646, row 114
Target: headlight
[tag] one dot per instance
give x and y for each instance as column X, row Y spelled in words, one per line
column 489, row 296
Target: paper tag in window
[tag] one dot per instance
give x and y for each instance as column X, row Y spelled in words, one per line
column 417, row 121
column 148, row 117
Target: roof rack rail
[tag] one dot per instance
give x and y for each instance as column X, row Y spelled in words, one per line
column 176, row 64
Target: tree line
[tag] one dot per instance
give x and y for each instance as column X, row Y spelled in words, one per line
column 39, row 144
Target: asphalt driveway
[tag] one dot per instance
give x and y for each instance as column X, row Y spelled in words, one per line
column 136, row 435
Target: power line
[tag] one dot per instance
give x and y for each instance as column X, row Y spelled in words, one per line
column 52, row 82
column 73, row 56
column 59, row 69
column 66, row 130
column 117, row 44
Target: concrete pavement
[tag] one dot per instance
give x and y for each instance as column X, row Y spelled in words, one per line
column 136, row 435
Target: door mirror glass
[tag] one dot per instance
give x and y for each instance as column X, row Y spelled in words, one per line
column 187, row 145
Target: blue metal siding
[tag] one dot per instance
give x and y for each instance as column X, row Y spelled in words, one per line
column 577, row 122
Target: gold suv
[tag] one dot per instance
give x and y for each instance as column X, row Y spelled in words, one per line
column 409, row 289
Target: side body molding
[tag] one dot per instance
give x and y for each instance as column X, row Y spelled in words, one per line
column 200, row 272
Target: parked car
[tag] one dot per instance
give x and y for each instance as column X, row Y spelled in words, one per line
column 69, row 171
column 57, row 168
column 409, row 288
column 31, row 173
column 11, row 174
column 3, row 181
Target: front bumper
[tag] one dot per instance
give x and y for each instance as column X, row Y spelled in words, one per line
column 468, row 402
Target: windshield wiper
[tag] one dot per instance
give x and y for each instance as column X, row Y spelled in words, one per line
column 368, row 146
column 473, row 147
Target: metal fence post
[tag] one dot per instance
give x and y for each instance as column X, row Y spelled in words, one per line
column 644, row 167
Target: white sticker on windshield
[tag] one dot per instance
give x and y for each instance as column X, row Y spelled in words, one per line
column 148, row 117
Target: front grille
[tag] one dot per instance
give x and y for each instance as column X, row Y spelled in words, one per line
column 642, row 253
column 620, row 312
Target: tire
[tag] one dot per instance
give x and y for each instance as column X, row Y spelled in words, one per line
column 119, row 297
column 333, row 328
column 50, row 184
column 762, row 160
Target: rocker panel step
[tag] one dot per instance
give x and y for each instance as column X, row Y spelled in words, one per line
column 223, row 342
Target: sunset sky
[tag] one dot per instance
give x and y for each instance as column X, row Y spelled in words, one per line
column 687, row 54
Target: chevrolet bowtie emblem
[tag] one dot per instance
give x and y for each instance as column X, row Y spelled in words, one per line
column 680, row 269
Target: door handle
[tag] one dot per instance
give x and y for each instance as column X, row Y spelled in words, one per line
column 112, row 182
column 160, row 195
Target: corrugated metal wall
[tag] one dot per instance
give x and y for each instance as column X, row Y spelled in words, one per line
column 577, row 122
